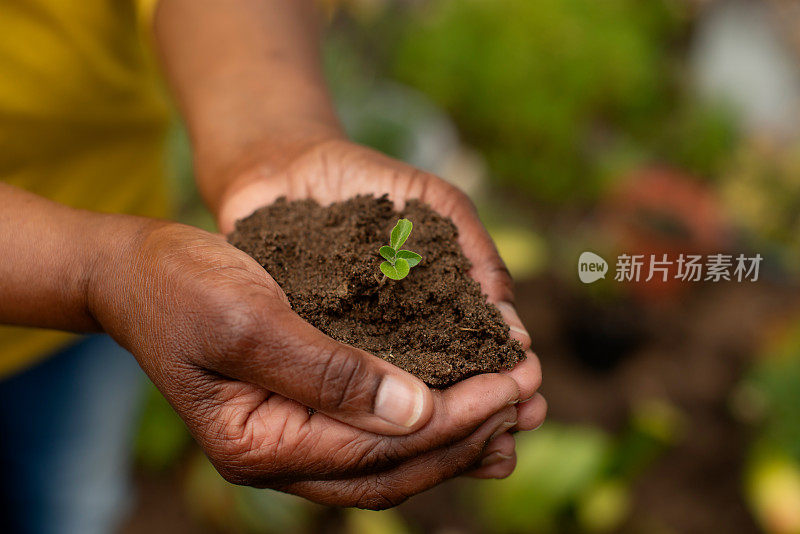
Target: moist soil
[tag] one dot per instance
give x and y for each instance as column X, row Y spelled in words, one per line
column 435, row 323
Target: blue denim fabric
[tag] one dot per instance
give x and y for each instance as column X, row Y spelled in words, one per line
column 65, row 436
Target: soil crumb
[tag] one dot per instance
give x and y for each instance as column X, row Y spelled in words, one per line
column 435, row 323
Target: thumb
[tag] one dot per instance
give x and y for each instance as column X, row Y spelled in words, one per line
column 277, row 350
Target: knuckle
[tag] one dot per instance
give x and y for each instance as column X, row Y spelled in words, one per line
column 499, row 271
column 245, row 457
column 240, row 326
column 472, row 451
column 500, row 277
column 378, row 496
column 459, row 200
column 462, row 198
column 234, row 474
column 346, row 383
column 375, row 455
column 241, row 470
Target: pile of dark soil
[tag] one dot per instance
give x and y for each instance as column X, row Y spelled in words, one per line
column 435, row 323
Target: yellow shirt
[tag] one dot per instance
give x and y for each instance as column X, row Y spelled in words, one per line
column 82, row 120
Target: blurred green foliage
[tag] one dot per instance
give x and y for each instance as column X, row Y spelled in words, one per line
column 162, row 438
column 244, row 510
column 761, row 188
column 553, row 92
column 769, row 397
column 554, row 467
column 577, row 478
column 772, row 393
column 368, row 522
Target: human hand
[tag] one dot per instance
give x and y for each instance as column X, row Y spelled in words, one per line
column 334, row 170
column 215, row 334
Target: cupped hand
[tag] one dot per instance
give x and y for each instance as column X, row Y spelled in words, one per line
column 216, row 335
column 336, row 169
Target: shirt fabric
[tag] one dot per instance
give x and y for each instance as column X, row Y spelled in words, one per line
column 83, row 120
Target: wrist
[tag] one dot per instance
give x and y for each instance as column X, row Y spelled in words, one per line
column 113, row 261
column 222, row 179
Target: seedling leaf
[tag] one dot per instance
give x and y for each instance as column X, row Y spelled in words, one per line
column 398, row 262
column 402, row 268
column 411, row 257
column 400, row 233
column 389, row 254
column 398, row 271
column 389, row 271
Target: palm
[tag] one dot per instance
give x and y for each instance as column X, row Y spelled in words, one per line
column 339, row 170
column 272, row 431
column 216, row 374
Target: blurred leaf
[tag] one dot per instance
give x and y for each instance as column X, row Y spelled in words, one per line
column 654, row 426
column 555, row 465
column 244, row 510
column 543, row 89
column 773, row 490
column 412, row 258
column 605, row 507
column 162, row 437
column 523, row 251
column 368, row 522
column 775, row 379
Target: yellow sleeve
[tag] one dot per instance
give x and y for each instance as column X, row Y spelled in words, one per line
column 145, row 10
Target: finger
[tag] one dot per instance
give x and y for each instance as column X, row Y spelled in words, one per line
column 531, row 414
column 390, row 488
column 515, row 327
column 498, row 466
column 528, row 375
column 458, row 412
column 269, row 345
column 490, row 271
column 304, row 446
column 488, row 268
column 498, row 460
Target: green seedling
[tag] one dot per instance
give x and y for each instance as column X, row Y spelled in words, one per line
column 398, row 262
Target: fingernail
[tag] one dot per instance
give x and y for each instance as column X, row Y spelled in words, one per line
column 399, row 401
column 502, row 429
column 518, row 330
column 511, row 315
column 538, row 427
column 494, row 458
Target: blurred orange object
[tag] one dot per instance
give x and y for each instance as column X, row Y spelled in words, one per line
column 657, row 211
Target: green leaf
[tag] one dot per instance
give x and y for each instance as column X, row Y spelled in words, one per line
column 400, row 233
column 389, row 270
column 389, row 254
column 398, row 271
column 402, row 268
column 411, row 257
